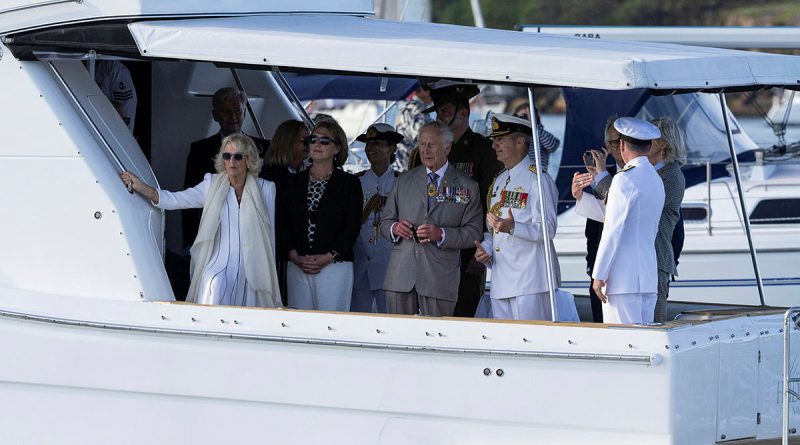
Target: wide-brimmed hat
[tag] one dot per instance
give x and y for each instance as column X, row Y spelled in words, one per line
column 503, row 124
column 446, row 91
column 380, row 131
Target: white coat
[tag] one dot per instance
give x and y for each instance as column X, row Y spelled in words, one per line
column 626, row 257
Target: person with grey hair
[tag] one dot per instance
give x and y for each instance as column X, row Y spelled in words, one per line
column 667, row 154
column 514, row 244
column 227, row 109
column 471, row 153
column 233, row 259
column 433, row 212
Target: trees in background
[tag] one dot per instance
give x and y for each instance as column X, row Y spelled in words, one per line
column 505, row 14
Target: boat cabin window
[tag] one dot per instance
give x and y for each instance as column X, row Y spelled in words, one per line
column 694, row 213
column 776, row 211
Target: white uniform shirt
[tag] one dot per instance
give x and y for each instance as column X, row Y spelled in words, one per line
column 626, row 257
column 518, row 262
column 371, row 251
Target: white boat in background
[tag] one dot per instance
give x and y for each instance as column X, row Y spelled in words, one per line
column 715, row 265
column 96, row 345
column 785, row 108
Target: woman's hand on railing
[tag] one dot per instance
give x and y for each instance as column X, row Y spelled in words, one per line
column 133, row 183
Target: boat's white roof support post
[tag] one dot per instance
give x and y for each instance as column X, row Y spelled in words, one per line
column 247, row 104
column 745, row 217
column 542, row 205
column 789, row 324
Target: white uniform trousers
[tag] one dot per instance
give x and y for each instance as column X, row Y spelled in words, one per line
column 329, row 290
column 523, row 307
column 629, row 308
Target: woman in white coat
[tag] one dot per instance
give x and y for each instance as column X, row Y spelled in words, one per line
column 233, row 258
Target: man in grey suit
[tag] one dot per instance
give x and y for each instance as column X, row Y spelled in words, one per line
column 667, row 154
column 432, row 213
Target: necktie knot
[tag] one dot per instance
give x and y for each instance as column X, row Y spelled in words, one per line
column 433, row 178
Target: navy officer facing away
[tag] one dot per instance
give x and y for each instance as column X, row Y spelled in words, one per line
column 625, row 271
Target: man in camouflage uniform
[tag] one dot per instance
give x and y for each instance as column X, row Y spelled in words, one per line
column 471, row 153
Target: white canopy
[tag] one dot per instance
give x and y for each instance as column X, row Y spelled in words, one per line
column 364, row 45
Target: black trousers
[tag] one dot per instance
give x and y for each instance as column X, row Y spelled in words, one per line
column 470, row 288
column 597, row 306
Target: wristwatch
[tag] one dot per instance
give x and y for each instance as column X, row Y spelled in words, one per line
column 333, row 254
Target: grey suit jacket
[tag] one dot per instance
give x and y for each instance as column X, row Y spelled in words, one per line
column 434, row 271
column 674, row 186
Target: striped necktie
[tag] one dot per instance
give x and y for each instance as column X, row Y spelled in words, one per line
column 433, row 185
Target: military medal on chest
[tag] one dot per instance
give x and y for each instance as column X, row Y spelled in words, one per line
column 432, row 190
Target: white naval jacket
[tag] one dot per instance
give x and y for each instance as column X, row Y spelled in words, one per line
column 371, row 251
column 626, row 257
column 518, row 263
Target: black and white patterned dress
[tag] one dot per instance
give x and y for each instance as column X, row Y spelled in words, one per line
column 316, row 188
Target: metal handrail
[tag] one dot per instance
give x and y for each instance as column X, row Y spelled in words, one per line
column 790, row 314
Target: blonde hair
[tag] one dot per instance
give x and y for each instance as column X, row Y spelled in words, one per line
column 246, row 146
column 672, row 136
column 281, row 148
column 339, row 137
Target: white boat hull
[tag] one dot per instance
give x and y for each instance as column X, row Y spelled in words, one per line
column 175, row 373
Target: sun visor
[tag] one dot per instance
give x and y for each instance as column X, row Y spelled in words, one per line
column 352, row 44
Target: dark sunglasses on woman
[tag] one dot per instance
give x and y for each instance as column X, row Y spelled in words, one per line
column 323, row 140
column 237, row 156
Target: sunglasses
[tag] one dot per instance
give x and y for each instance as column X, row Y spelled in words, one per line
column 323, row 140
column 237, row 156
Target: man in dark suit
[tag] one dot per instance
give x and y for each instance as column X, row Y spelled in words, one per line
column 228, row 111
column 433, row 212
column 599, row 178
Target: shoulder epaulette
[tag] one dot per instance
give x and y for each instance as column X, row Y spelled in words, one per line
column 532, row 168
column 629, row 167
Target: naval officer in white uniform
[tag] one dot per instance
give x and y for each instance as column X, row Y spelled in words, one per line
column 513, row 246
column 625, row 271
column 372, row 251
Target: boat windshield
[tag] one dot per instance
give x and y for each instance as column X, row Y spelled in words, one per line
column 700, row 118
